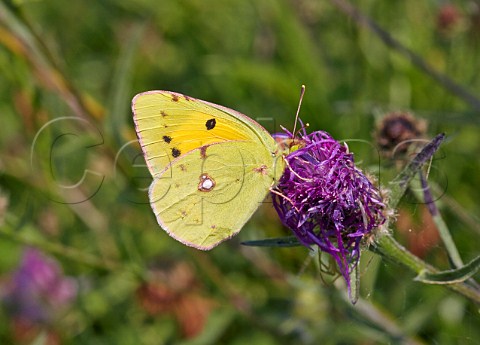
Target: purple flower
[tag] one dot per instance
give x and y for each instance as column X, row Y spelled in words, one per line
column 326, row 201
column 38, row 289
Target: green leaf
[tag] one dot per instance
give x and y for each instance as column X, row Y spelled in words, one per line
column 451, row 276
column 288, row 241
column 401, row 181
column 120, row 96
column 354, row 291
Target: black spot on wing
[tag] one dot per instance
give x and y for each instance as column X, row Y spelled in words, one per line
column 176, row 152
column 210, row 124
column 167, row 139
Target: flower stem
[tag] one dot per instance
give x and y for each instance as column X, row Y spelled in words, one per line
column 440, row 223
column 393, row 250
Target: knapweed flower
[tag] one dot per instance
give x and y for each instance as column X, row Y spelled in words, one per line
column 327, row 201
column 397, row 132
column 38, row 290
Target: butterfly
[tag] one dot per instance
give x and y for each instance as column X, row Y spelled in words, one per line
column 211, row 166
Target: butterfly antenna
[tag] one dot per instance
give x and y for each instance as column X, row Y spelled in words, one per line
column 302, row 92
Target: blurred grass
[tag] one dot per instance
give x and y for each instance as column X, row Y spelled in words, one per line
column 85, row 61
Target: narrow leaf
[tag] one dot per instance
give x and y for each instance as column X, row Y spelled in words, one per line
column 451, row 276
column 121, row 94
column 288, row 241
column 354, row 290
column 400, row 183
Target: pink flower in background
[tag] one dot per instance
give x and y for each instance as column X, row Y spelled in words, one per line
column 38, row 290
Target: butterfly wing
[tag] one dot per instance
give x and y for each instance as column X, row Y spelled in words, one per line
column 170, row 125
column 207, row 196
column 212, row 166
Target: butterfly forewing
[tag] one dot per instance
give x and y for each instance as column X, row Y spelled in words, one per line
column 170, row 125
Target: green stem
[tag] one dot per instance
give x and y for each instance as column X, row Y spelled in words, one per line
column 424, row 194
column 393, row 250
column 448, row 240
column 71, row 253
column 449, row 84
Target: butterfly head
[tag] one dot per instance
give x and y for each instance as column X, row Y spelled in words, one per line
column 287, row 144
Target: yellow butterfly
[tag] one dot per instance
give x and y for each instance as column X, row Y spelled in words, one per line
column 212, row 166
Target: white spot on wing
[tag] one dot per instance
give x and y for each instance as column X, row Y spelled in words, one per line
column 206, row 183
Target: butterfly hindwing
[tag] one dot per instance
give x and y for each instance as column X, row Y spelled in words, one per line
column 207, row 196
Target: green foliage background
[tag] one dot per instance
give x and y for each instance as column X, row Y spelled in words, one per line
column 86, row 59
